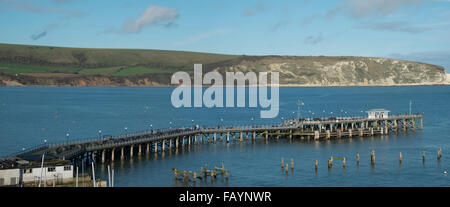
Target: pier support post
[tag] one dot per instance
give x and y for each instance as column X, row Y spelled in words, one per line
column 371, row 131
column 240, row 137
column 228, row 137
column 330, row 163
column 328, row 134
column 122, row 154
column 156, row 146
column 267, row 135
column 170, row 144
column 339, row 131
column 316, row 135
column 254, row 136
column 103, row 156
column 316, row 164
column 350, row 133
column 139, row 150
column 215, row 138
column 176, row 143
column 400, row 158
column 131, row 151
column 112, row 154
column 147, row 150
column 163, row 145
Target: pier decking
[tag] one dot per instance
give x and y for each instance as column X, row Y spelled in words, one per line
column 111, row 148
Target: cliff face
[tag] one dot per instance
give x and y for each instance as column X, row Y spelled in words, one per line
column 335, row 71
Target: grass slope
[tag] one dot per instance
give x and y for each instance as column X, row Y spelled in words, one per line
column 17, row 59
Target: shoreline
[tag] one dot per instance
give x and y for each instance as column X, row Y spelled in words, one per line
column 206, row 86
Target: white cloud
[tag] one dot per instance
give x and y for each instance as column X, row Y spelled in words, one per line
column 152, row 15
column 360, row 9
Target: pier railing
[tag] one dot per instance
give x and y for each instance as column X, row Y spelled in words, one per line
column 74, row 147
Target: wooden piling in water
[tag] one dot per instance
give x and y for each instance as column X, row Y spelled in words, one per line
column 292, row 164
column 372, row 158
column 400, row 157
column 226, row 174
column 423, row 156
column 344, row 162
column 282, row 163
column 357, row 158
column 330, row 163
column 439, row 153
column 316, row 164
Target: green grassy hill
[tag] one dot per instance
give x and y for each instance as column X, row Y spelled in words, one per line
column 19, row 59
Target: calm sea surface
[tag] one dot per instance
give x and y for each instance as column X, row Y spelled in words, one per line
column 28, row 115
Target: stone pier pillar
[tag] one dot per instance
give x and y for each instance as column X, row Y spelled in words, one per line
column 316, row 135
column 131, row 151
column 176, row 143
column 122, row 154
column 170, row 144
column 112, row 154
column 156, row 146
column 139, row 150
column 163, row 145
column 147, row 150
column 214, row 138
column 103, row 156
column 228, row 137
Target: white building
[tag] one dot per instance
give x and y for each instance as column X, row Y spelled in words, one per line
column 16, row 172
column 378, row 113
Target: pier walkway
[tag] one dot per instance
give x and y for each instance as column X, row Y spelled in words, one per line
column 111, row 148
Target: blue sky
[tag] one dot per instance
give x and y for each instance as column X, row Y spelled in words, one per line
column 407, row 29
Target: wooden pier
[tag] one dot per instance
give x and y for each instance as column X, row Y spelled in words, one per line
column 158, row 141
